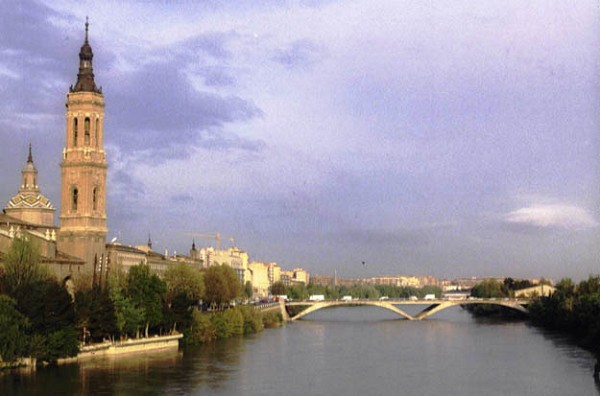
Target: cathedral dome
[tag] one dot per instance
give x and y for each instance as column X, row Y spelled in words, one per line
column 29, row 204
column 29, row 200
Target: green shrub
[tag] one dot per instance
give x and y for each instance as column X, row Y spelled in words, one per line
column 253, row 322
column 272, row 319
column 222, row 329
column 235, row 321
column 201, row 329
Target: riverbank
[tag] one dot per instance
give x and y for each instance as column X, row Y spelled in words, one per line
column 125, row 347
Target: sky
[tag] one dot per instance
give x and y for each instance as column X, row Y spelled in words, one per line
column 444, row 138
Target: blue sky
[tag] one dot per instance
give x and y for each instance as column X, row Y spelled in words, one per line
column 447, row 138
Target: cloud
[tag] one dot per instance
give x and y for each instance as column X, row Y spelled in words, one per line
column 566, row 217
column 157, row 107
column 300, row 53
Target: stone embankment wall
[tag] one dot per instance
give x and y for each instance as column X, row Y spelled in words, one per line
column 127, row 346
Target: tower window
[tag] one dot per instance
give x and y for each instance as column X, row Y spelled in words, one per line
column 96, row 131
column 74, row 198
column 95, row 198
column 75, row 132
column 86, row 131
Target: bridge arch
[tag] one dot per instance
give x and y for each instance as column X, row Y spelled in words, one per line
column 433, row 306
column 329, row 304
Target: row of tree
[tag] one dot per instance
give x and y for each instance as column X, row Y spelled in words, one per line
column 572, row 309
column 302, row 292
column 240, row 320
column 41, row 318
column 491, row 288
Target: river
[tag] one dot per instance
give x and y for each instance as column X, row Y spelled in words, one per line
column 341, row 351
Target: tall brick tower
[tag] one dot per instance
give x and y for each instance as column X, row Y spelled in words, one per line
column 83, row 168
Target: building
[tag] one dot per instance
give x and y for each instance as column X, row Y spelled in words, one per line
column 232, row 257
column 82, row 231
column 30, row 205
column 300, row 275
column 535, row 291
column 295, row 276
column 29, row 214
column 263, row 275
column 322, row 280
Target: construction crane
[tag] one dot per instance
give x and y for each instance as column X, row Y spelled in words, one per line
column 216, row 236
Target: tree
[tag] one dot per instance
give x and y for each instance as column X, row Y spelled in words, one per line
column 14, row 326
column 278, row 288
column 248, row 290
column 50, row 310
column 22, row 266
column 298, row 292
column 95, row 313
column 128, row 318
column 487, row 289
column 146, row 291
column 183, row 279
column 103, row 321
column 185, row 288
column 221, row 284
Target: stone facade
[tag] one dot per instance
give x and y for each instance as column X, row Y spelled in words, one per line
column 263, row 275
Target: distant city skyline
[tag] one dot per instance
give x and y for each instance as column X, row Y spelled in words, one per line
column 451, row 140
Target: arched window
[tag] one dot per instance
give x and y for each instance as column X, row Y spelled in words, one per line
column 74, row 198
column 86, row 131
column 96, row 131
column 95, row 198
column 75, row 132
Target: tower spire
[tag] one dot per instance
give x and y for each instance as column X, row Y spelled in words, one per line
column 85, row 77
column 30, row 157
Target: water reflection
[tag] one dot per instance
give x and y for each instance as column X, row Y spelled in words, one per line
column 212, row 365
column 170, row 371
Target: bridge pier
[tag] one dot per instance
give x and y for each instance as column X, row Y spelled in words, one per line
column 284, row 312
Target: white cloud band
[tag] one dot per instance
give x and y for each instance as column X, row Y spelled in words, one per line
column 558, row 216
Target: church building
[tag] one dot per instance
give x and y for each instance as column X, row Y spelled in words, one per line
column 78, row 245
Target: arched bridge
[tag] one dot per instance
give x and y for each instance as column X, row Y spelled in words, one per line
column 432, row 306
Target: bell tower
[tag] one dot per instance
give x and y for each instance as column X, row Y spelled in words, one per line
column 83, row 168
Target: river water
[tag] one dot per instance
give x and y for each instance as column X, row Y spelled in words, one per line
column 341, row 351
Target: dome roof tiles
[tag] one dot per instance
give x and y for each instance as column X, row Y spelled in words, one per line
column 30, row 200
